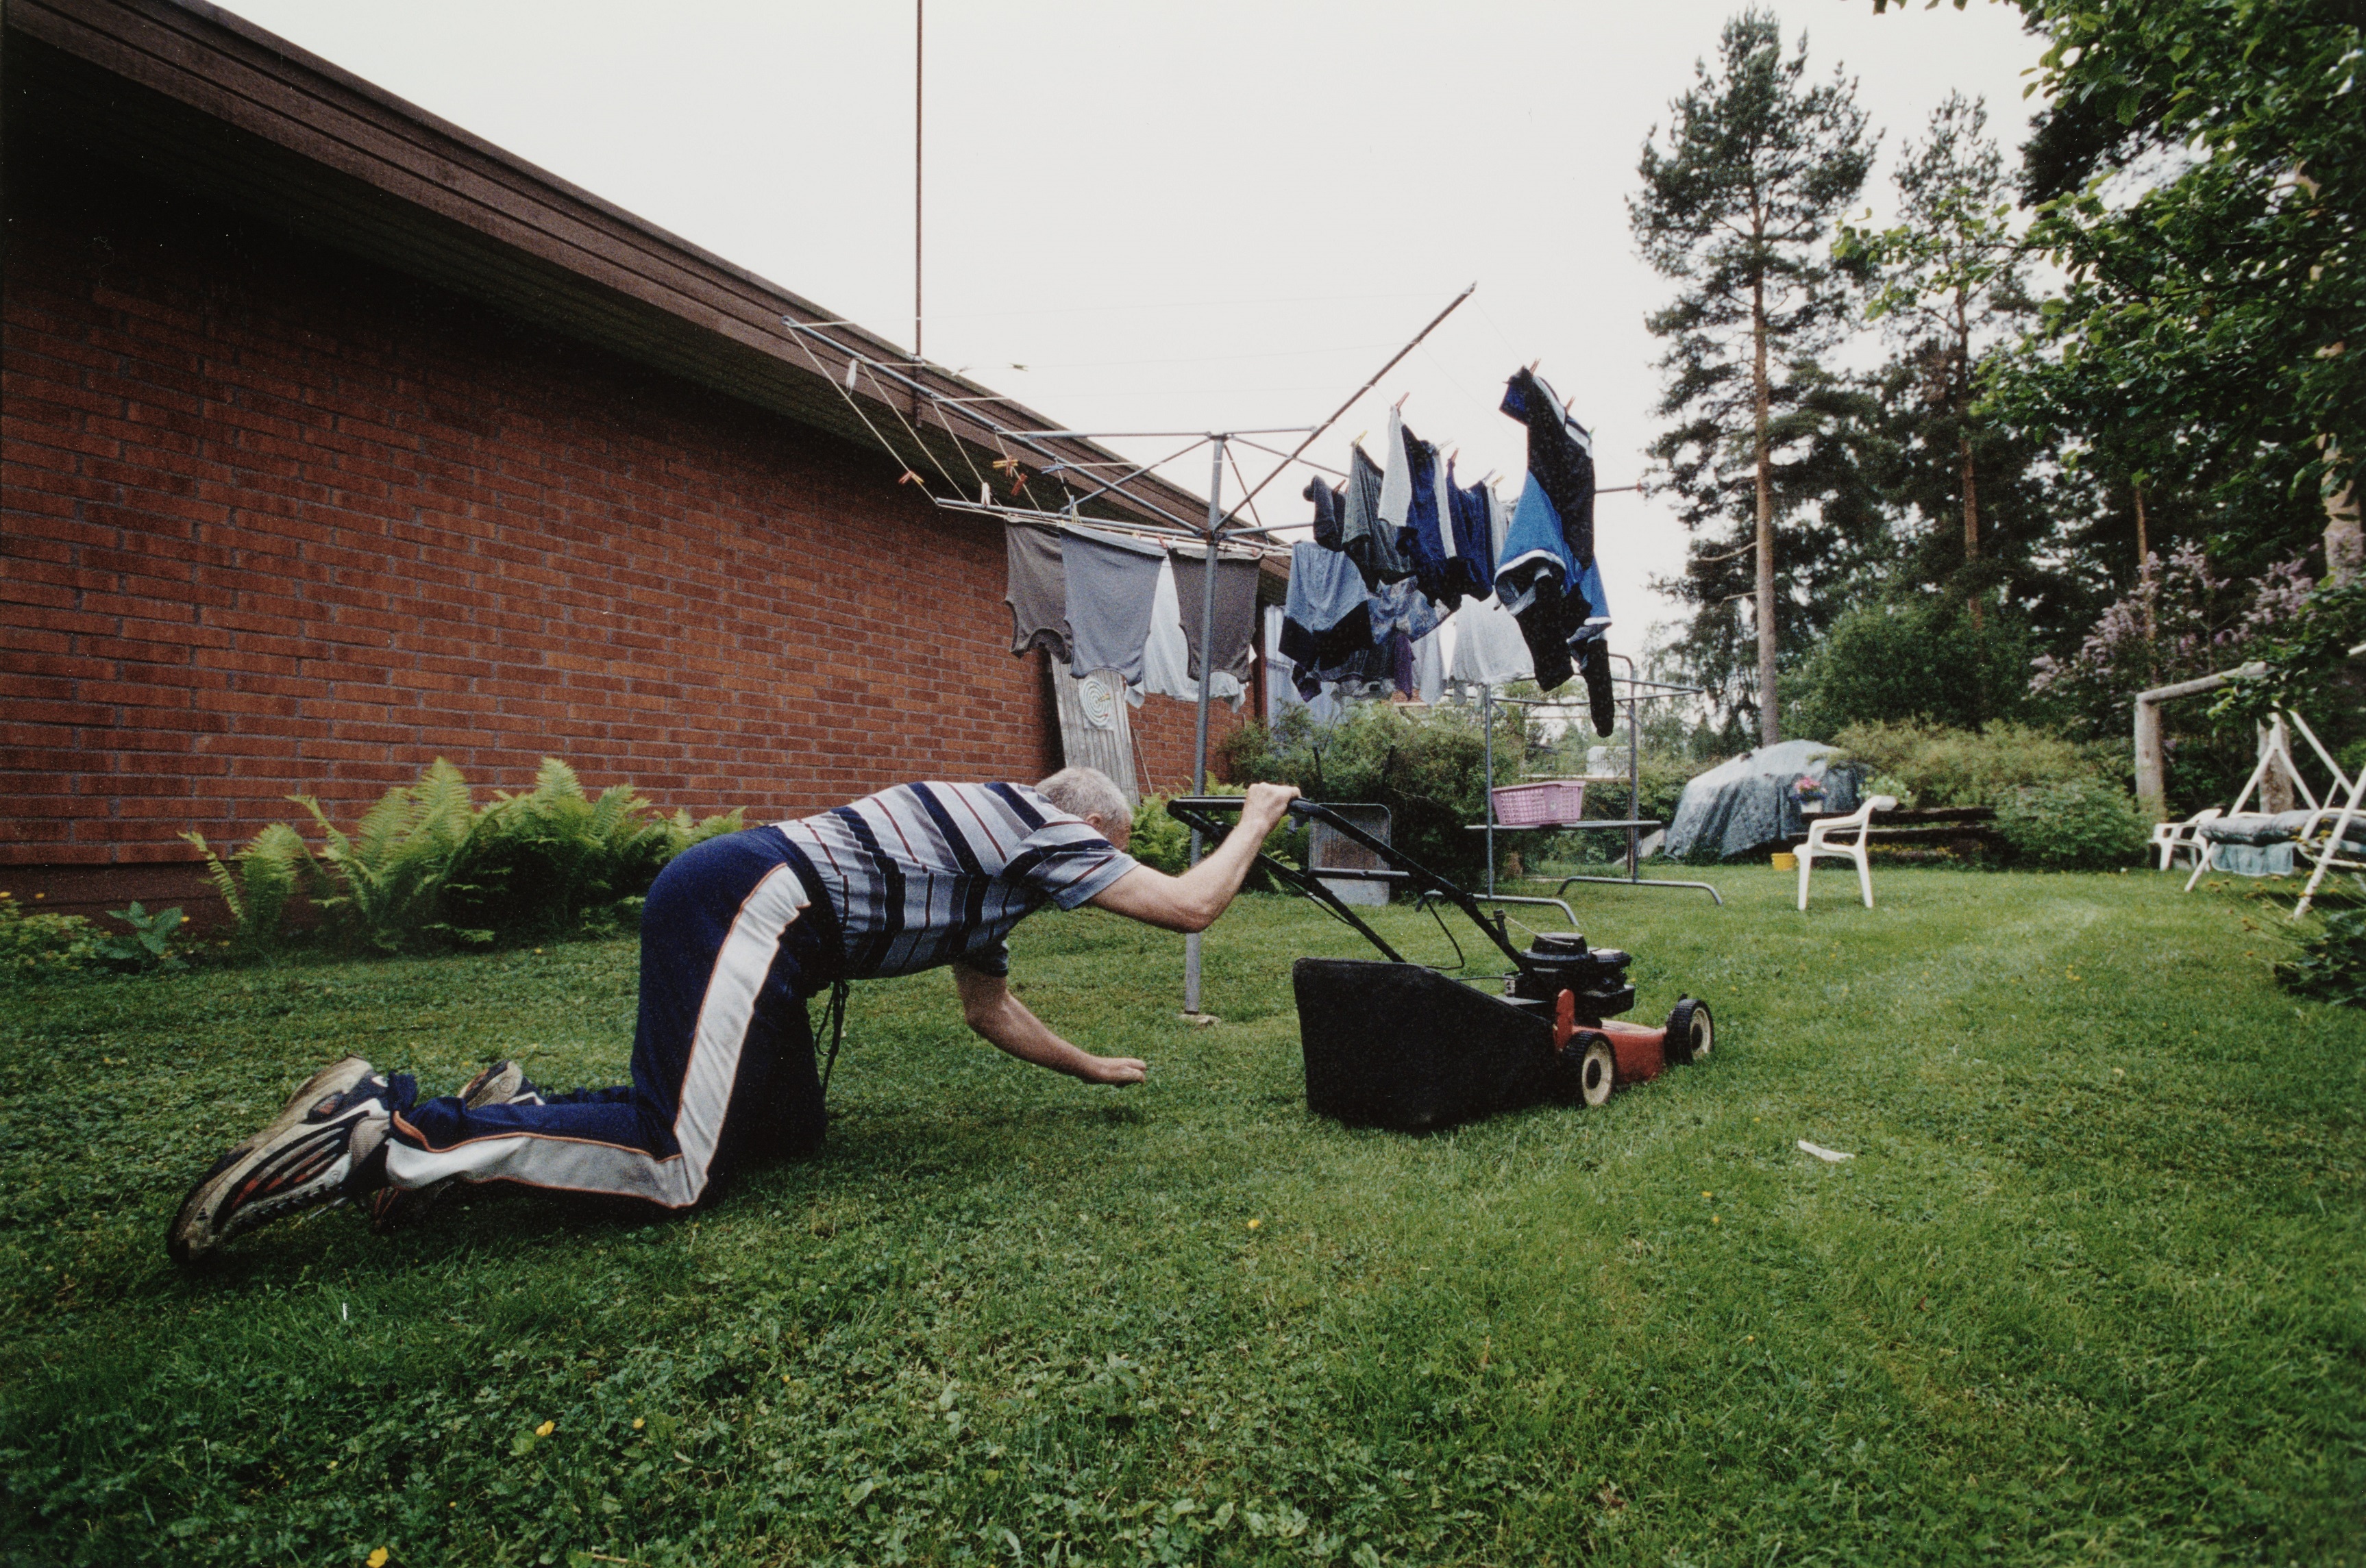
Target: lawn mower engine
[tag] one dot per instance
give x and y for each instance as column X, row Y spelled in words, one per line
column 1398, row 1045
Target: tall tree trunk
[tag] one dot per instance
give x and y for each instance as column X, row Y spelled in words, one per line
column 1963, row 450
column 1770, row 721
column 2345, row 541
column 1971, row 515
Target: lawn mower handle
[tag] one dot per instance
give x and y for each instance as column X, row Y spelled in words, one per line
column 1185, row 808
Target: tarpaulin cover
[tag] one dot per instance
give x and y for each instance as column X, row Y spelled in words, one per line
column 1751, row 801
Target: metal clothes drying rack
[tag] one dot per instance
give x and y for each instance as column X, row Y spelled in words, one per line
column 1637, row 694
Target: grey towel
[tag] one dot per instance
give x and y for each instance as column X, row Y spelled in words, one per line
column 1236, row 610
column 1112, row 585
column 1038, row 594
column 1366, row 540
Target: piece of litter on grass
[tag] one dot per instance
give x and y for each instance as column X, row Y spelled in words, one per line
column 1201, row 1020
column 1829, row 1156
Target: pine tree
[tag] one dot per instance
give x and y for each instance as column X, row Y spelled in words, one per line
column 1738, row 210
column 1947, row 284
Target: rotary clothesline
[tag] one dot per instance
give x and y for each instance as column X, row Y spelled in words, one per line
column 1416, row 539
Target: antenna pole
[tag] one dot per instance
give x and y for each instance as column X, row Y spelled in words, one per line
column 1207, row 679
column 920, row 19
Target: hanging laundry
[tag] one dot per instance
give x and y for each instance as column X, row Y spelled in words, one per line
column 1330, row 511
column 1488, row 647
column 1167, row 657
column 1413, row 502
column 1561, row 458
column 1593, row 662
column 1281, row 674
column 1474, row 545
column 1429, row 666
column 1401, row 606
column 1236, row 589
column 1499, row 524
column 1112, row 585
column 1402, row 670
column 1549, row 543
column 1038, row 591
column 1534, row 583
column 1327, row 619
column 1371, row 545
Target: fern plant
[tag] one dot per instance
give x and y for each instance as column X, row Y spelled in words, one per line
column 258, row 892
column 555, row 861
column 390, row 874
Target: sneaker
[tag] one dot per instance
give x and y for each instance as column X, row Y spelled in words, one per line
column 323, row 1146
column 501, row 1084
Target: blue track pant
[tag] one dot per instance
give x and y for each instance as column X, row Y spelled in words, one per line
column 722, row 1057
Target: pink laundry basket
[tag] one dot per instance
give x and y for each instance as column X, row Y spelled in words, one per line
column 1543, row 803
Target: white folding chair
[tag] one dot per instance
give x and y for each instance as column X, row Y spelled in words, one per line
column 1819, row 836
column 2173, row 839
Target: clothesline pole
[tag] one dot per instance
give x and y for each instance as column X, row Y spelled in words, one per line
column 1487, row 728
column 1207, row 679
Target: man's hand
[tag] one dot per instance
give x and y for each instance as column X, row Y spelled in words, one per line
column 1193, row 900
column 1267, row 805
column 1111, row 1069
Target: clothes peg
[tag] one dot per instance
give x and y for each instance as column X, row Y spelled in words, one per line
column 1532, row 365
column 1400, row 403
column 986, row 495
column 1360, row 438
column 911, row 478
column 851, row 367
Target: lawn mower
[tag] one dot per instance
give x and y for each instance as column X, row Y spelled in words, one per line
column 1400, row 1045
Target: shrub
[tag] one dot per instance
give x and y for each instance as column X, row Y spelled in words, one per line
column 1941, row 767
column 1429, row 771
column 554, row 861
column 425, row 868
column 257, row 893
column 36, row 943
column 149, row 946
column 2078, row 825
column 1910, row 658
column 2331, row 964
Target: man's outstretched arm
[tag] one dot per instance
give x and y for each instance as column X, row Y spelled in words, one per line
column 990, row 1008
column 1193, row 900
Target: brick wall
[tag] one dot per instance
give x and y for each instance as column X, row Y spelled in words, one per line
column 279, row 522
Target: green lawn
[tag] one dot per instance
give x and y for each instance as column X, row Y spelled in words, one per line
column 2090, row 1290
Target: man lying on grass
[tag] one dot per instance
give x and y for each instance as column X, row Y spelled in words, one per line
column 736, row 933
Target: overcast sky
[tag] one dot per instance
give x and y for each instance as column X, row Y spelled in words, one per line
column 1218, row 215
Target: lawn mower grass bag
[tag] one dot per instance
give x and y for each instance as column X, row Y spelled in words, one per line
column 1398, row 1045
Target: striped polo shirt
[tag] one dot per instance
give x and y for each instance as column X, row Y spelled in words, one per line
column 923, row 874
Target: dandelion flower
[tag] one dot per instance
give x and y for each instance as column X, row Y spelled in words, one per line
column 378, row 1559
column 1255, row 1223
column 637, row 1422
column 1713, row 1220
column 1750, row 1339
column 545, row 1428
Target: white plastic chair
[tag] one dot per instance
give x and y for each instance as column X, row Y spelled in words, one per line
column 2173, row 839
column 1819, row 836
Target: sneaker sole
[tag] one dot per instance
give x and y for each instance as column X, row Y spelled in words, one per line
column 193, row 1233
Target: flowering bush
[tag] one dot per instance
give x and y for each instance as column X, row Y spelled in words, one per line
column 2187, row 621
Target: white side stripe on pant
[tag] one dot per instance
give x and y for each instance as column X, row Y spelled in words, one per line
column 676, row 1180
